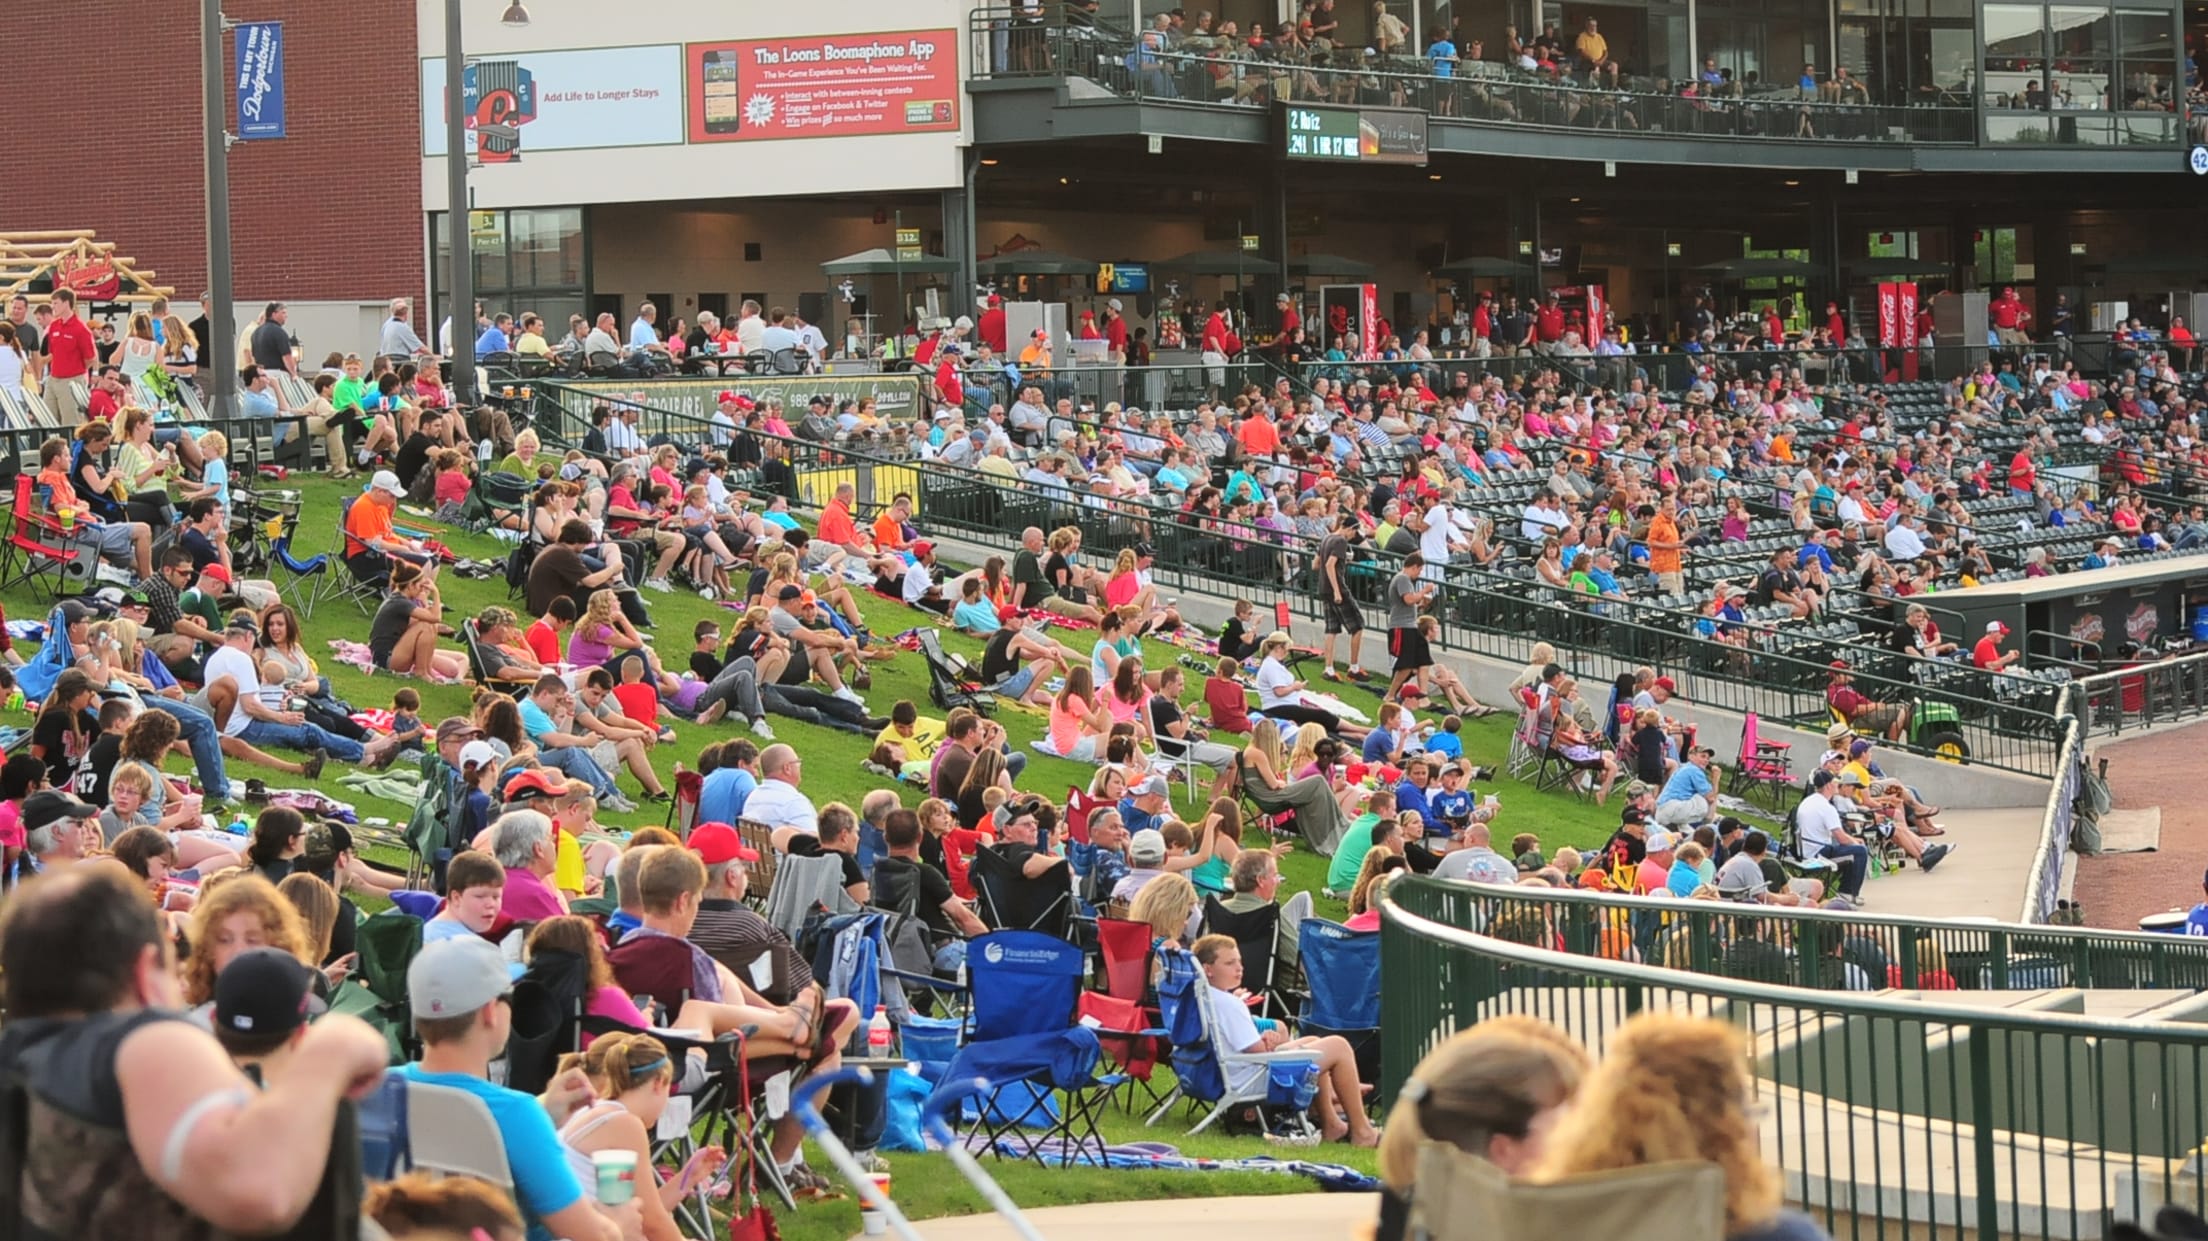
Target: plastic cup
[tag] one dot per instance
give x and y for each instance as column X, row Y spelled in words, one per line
column 616, row 1175
column 871, row 1221
column 67, row 517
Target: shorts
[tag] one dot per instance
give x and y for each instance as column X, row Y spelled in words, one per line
column 113, row 541
column 1016, row 685
column 1409, row 649
column 1877, row 719
column 1343, row 617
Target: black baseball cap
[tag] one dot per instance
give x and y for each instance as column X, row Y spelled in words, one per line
column 264, row 991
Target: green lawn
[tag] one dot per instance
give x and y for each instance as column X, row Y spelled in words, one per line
column 926, row 1185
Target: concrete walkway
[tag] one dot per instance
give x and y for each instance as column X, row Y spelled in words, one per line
column 1275, row 1217
column 1983, row 878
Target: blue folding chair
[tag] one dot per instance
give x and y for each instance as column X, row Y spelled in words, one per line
column 1341, row 975
column 1207, row 1071
column 1023, row 1038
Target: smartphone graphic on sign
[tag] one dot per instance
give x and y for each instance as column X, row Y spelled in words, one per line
column 723, row 113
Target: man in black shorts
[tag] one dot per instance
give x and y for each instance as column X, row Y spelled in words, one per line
column 1407, row 596
column 1341, row 613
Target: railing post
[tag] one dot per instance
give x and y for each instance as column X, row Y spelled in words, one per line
column 1981, row 1133
column 1997, row 959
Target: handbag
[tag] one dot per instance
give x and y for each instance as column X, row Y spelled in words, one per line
column 750, row 1220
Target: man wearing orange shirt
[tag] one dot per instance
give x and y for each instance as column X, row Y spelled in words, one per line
column 889, row 528
column 1257, row 434
column 370, row 540
column 1665, row 548
column 839, row 532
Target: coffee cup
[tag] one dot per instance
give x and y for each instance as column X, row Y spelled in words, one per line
column 873, row 1222
column 616, row 1175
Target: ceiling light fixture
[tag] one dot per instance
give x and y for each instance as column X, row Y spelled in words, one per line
column 516, row 14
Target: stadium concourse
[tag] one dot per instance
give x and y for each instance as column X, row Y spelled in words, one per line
column 693, row 755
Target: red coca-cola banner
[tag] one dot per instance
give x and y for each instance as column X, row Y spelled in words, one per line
column 1905, row 311
column 1368, row 321
column 1890, row 323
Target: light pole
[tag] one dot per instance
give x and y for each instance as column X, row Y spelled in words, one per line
column 217, row 355
column 461, row 252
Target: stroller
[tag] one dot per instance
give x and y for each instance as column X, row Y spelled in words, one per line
column 951, row 682
column 933, row 1122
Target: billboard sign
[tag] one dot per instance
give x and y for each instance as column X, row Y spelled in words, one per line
column 578, row 100
column 260, row 48
column 823, row 86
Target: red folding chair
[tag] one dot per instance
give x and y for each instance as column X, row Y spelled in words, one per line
column 682, row 812
column 1079, row 806
column 1131, row 1031
column 959, row 846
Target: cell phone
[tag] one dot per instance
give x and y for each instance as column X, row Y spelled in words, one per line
column 723, row 109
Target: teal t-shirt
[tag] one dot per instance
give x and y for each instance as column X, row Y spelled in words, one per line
column 1341, row 873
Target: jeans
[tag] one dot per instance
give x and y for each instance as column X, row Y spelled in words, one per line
column 198, row 730
column 263, row 733
column 738, row 686
column 1015, row 761
column 575, row 762
column 812, row 706
column 1855, row 865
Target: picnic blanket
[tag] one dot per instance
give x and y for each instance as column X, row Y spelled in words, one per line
column 359, row 656
column 1162, row 1156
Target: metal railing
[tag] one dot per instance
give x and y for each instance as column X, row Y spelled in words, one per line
column 1887, row 1114
column 1228, row 74
column 2141, row 697
column 1819, row 949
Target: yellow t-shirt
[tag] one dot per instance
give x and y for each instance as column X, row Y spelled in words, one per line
column 567, row 863
column 926, row 735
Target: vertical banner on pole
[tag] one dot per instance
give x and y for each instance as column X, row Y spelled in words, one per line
column 1889, row 314
column 1905, row 311
column 260, row 48
column 1368, row 321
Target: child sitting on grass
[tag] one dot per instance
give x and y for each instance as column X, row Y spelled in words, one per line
column 1446, row 743
column 1228, row 700
column 406, row 717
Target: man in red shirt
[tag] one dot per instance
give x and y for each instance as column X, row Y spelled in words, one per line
column 1115, row 330
column 2009, row 317
column 1548, row 323
column 991, row 325
column 70, row 352
column 107, row 395
column 1289, row 319
column 1863, row 714
column 1988, row 655
column 1257, row 434
column 2023, row 474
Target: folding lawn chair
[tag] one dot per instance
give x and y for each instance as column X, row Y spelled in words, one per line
column 1206, row 1070
column 1010, row 901
column 960, row 844
column 1765, row 765
column 450, row 1132
column 1341, row 976
column 682, row 812
column 1256, row 933
column 761, row 839
column 479, row 668
column 802, row 885
column 951, row 684
column 1024, row 1039
column 1125, row 1005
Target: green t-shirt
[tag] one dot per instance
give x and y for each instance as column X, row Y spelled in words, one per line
column 203, row 608
column 513, row 465
column 347, row 394
column 1341, row 873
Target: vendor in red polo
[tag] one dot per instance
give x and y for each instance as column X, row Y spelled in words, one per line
column 1289, row 319
column 1548, row 322
column 70, row 353
column 1988, row 655
column 990, row 327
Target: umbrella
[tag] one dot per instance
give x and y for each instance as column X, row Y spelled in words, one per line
column 1329, row 265
column 1758, row 269
column 1896, row 268
column 880, row 262
column 1035, row 263
column 1479, row 268
column 1214, row 263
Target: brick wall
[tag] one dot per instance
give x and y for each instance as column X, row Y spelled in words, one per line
column 331, row 212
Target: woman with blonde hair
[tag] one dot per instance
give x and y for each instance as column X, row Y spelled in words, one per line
column 1677, row 1087
column 1125, row 590
column 1262, row 770
column 1495, row 1091
column 1373, row 874
column 633, row 1077
column 1541, row 656
column 319, row 909
column 1168, row 904
column 179, row 349
column 241, row 911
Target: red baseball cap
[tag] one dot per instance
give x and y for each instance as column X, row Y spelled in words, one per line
column 716, row 843
column 216, row 570
column 536, row 780
column 922, row 547
column 1667, row 685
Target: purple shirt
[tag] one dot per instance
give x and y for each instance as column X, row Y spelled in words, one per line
column 528, row 898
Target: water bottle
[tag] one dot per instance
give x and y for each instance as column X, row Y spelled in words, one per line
column 878, row 1032
column 239, row 827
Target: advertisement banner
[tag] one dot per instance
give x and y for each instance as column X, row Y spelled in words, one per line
column 823, row 86
column 561, row 101
column 1905, row 316
column 1889, row 315
column 1368, row 322
column 260, row 49
column 895, row 396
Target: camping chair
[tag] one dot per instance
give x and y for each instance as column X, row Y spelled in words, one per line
column 1025, row 1041
column 1341, row 975
column 951, row 684
column 1525, row 746
column 479, row 668
column 1010, row 901
column 960, row 845
column 802, row 885
column 761, row 839
column 682, row 811
column 1255, row 933
column 1461, row 1197
column 386, row 944
column 37, row 546
column 345, row 582
column 1765, row 765
column 1123, row 1005
column 304, row 587
column 1205, row 1069
column 451, row 1133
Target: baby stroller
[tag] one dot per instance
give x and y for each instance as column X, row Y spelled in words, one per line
column 258, row 519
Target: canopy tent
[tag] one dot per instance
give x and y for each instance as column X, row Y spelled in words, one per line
column 1480, row 267
column 882, row 262
column 1758, row 269
column 1035, row 263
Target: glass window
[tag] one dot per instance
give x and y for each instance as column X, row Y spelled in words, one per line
column 2016, row 57
column 2080, row 43
column 2146, row 51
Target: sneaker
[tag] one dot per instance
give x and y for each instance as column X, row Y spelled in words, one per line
column 311, row 769
column 713, row 713
column 852, row 698
column 870, row 1161
column 618, row 802
column 762, row 730
column 660, row 584
column 1933, row 857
